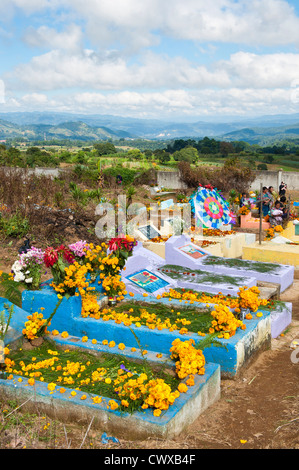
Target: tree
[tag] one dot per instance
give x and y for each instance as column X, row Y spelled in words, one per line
column 262, row 166
column 135, row 154
column 148, row 153
column 268, row 159
column 226, row 148
column 187, row 154
column 105, row 148
column 162, row 155
column 208, row 146
column 14, row 156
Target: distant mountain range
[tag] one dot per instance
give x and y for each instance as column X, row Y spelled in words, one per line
column 47, row 126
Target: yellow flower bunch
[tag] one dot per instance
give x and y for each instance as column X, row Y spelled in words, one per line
column 159, row 396
column 201, row 297
column 90, row 306
column 278, row 228
column 247, row 298
column 32, row 326
column 75, row 278
column 269, row 234
column 114, row 286
column 94, row 255
column 189, row 359
column 250, row 298
column 34, row 367
column 160, row 239
column 244, row 210
column 110, row 264
column 153, row 393
column 225, row 322
column 144, row 318
column 130, row 388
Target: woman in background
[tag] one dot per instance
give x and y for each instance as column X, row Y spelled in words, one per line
column 276, row 215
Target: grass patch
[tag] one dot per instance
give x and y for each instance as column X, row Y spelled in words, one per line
column 200, row 277
column 13, row 225
column 193, row 318
column 80, row 370
column 240, row 263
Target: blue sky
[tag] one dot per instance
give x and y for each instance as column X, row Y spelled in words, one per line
column 184, row 59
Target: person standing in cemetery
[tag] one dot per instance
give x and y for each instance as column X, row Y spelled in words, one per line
column 276, row 215
column 273, row 195
column 266, row 200
column 282, row 189
column 243, row 200
column 285, row 209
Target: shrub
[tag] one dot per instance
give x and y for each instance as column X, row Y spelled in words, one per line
column 14, row 225
column 127, row 174
column 262, row 167
column 231, row 175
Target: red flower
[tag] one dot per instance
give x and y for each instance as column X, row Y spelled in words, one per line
column 118, row 243
column 50, row 256
column 67, row 254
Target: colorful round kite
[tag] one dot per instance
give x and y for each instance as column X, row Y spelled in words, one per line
column 211, row 210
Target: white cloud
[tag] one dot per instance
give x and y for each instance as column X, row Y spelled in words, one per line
column 135, row 24
column 69, row 39
column 86, row 69
column 264, row 70
column 255, row 22
column 167, row 104
column 27, row 7
column 34, row 99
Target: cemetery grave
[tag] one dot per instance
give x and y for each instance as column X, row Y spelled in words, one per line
column 140, row 341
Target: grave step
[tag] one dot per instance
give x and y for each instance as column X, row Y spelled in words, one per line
column 269, row 290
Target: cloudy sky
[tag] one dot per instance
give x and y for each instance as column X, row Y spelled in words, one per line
column 166, row 59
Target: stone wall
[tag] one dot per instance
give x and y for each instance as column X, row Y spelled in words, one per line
column 274, row 178
column 171, row 179
column 53, row 172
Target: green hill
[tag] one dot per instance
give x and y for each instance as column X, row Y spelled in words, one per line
column 66, row 130
column 263, row 135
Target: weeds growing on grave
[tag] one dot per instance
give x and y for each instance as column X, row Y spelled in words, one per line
column 99, row 378
column 200, row 277
column 240, row 263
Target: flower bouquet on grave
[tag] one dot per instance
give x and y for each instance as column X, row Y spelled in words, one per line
column 93, row 258
column 73, row 284
column 122, row 248
column 57, row 259
column 244, row 210
column 79, row 250
column 27, row 270
column 34, row 329
column 114, row 288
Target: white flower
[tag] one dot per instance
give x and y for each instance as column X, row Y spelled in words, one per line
column 16, row 266
column 29, row 280
column 19, row 277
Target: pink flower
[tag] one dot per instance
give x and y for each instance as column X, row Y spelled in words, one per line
column 78, row 248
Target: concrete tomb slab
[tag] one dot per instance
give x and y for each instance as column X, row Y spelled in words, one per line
column 181, row 251
column 206, row 281
column 138, row 425
column 147, row 232
column 282, row 274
